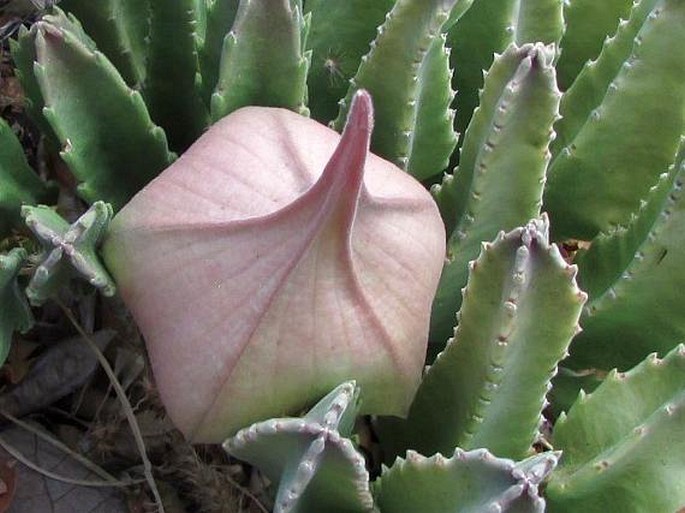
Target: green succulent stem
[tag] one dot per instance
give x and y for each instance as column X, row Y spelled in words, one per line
column 588, row 24
column 488, row 28
column 20, row 185
column 635, row 284
column 413, row 121
column 100, row 112
column 467, row 481
column 172, row 83
column 488, row 387
column 220, row 16
column 499, row 182
column 264, row 61
column 607, row 156
column 341, row 31
column 120, row 29
column 627, row 431
column 15, row 314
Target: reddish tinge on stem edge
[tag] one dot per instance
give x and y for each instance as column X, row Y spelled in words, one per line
column 274, row 260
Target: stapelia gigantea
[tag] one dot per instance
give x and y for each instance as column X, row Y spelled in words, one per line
column 299, row 270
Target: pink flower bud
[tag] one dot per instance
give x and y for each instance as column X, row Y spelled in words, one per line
column 274, row 260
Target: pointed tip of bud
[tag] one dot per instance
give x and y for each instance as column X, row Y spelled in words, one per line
column 361, row 111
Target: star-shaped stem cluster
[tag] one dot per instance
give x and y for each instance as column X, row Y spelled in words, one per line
column 69, row 250
column 316, row 466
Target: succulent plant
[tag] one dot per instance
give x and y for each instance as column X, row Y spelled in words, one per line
column 566, row 177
